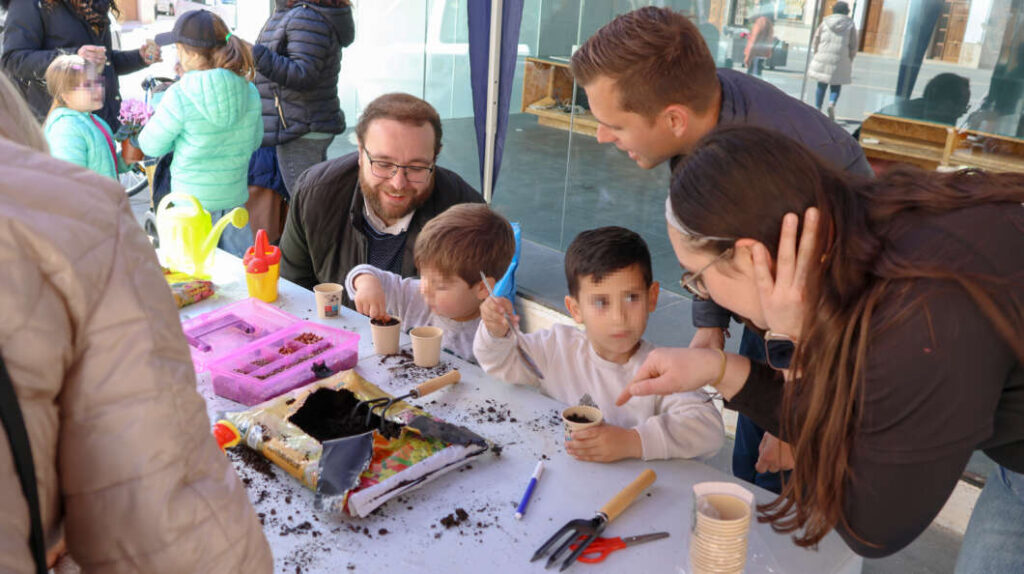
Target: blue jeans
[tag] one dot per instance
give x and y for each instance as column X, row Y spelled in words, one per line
column 994, row 541
column 298, row 155
column 833, row 95
column 745, row 449
column 234, row 240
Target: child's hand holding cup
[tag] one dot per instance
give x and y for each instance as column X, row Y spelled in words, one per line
column 578, row 418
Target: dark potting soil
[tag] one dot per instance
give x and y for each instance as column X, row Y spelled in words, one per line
column 253, row 460
column 577, row 419
column 326, row 415
column 388, row 323
column 405, row 369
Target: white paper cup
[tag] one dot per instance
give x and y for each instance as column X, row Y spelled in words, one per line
column 722, row 513
column 385, row 337
column 328, row 299
column 592, row 414
column 426, row 345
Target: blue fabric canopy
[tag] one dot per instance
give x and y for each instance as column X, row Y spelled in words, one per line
column 479, row 14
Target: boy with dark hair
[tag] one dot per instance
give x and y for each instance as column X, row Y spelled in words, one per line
column 611, row 293
column 450, row 253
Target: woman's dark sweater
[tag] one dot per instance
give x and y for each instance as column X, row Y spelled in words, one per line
column 940, row 380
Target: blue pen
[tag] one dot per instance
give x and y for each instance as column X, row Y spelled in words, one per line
column 529, row 489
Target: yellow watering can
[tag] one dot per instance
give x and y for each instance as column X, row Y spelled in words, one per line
column 187, row 235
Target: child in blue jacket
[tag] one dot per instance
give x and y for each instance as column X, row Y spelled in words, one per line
column 210, row 119
column 74, row 132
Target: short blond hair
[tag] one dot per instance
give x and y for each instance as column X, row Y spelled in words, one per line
column 464, row 240
column 65, row 73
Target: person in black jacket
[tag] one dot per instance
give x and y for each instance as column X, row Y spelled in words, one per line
column 369, row 206
column 298, row 59
column 38, row 31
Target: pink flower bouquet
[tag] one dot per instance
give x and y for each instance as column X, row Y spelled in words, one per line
column 134, row 115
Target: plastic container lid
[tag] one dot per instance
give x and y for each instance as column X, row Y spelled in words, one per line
column 216, row 334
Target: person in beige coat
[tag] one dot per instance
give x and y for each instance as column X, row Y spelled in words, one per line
column 125, row 466
column 835, row 46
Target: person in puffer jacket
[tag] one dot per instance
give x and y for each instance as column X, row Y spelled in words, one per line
column 125, row 466
column 298, row 59
column 835, row 45
column 210, row 119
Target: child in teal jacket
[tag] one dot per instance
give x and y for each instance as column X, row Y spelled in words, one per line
column 74, row 133
column 211, row 119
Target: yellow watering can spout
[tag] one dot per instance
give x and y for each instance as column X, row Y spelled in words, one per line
column 237, row 217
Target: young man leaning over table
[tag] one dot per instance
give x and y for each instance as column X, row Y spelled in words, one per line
column 653, row 88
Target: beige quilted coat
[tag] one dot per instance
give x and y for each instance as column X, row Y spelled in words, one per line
column 120, row 437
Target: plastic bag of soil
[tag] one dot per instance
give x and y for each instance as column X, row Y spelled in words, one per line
column 353, row 466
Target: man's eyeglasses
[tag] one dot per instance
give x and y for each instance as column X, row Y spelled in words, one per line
column 387, row 170
column 693, row 283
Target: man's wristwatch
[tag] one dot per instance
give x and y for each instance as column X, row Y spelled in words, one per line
column 778, row 349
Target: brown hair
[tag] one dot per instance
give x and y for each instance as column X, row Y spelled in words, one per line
column 64, row 74
column 860, row 267
column 17, row 123
column 464, row 240
column 404, row 108
column 600, row 252
column 234, row 55
column 656, row 57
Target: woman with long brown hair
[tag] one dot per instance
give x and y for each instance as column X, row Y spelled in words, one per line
column 38, row 31
column 896, row 318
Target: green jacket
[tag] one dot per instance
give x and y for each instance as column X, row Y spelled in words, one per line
column 212, row 122
column 73, row 137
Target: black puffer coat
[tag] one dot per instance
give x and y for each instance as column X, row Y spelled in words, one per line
column 36, row 34
column 298, row 59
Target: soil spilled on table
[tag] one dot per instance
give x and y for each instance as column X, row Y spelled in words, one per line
column 327, row 414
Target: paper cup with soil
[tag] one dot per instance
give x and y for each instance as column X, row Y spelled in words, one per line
column 328, row 299
column 578, row 418
column 385, row 335
column 426, row 345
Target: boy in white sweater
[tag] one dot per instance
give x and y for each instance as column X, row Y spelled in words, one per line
column 611, row 292
column 450, row 252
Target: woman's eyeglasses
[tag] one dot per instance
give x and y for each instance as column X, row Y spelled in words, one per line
column 693, row 283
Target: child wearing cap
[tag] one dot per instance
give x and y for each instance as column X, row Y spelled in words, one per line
column 210, row 119
column 611, row 293
column 450, row 253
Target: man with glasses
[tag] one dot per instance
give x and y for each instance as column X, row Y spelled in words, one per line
column 653, row 87
column 369, row 206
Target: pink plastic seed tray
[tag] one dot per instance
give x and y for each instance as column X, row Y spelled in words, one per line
column 283, row 361
column 213, row 335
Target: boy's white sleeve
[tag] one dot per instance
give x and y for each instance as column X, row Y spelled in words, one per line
column 402, row 294
column 686, row 425
column 499, row 358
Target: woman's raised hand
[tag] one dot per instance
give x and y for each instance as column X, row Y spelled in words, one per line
column 782, row 296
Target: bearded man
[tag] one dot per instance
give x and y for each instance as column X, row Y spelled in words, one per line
column 369, row 206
